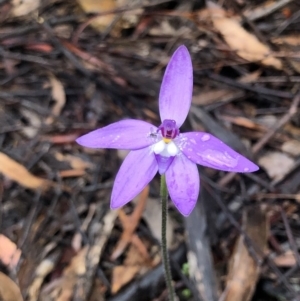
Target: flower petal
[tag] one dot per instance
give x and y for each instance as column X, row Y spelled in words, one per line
column 163, row 163
column 207, row 150
column 183, row 183
column 137, row 170
column 176, row 89
column 124, row 134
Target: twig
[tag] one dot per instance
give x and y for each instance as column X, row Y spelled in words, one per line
column 289, row 21
column 77, row 221
column 247, row 87
column 290, row 272
column 290, row 237
column 66, row 52
column 286, row 118
column 99, row 233
column 261, row 196
column 257, row 254
column 264, row 140
column 266, row 10
column 24, row 57
column 29, row 222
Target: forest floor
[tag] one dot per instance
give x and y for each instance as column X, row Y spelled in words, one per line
column 69, row 67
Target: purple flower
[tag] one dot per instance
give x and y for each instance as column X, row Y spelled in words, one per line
column 165, row 149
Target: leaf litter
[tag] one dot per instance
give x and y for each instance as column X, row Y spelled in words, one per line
column 54, row 195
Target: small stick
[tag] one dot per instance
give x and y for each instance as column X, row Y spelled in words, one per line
column 264, row 140
column 290, row 237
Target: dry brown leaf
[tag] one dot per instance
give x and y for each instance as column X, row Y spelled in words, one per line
column 128, row 19
column 133, row 257
column 24, row 7
column 9, row 291
column 276, row 164
column 133, row 264
column 216, row 95
column 9, row 253
column 79, row 165
column 293, row 130
column 245, row 44
column 151, row 215
column 242, row 121
column 17, row 172
column 291, row 147
column 250, row 77
column 92, row 6
column 129, row 223
column 76, row 269
column 43, row 269
column 268, row 121
column 78, row 276
column 285, row 260
column 293, row 40
column 290, row 44
column 165, row 28
column 74, row 161
column 243, row 269
column 122, row 275
column 72, row 173
column 58, row 95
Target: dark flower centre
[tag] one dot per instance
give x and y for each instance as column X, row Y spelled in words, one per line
column 169, row 129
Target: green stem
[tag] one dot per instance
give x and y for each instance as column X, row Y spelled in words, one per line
column 165, row 254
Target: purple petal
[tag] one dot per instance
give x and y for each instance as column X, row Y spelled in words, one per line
column 207, row 150
column 124, row 134
column 163, row 163
column 183, row 183
column 137, row 170
column 176, row 89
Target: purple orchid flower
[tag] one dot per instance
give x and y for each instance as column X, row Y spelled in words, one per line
column 165, row 149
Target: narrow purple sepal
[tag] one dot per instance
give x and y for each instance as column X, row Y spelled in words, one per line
column 137, row 170
column 207, row 150
column 176, row 89
column 183, row 184
column 163, row 163
column 125, row 134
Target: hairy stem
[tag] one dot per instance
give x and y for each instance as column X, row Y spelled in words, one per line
column 165, row 254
